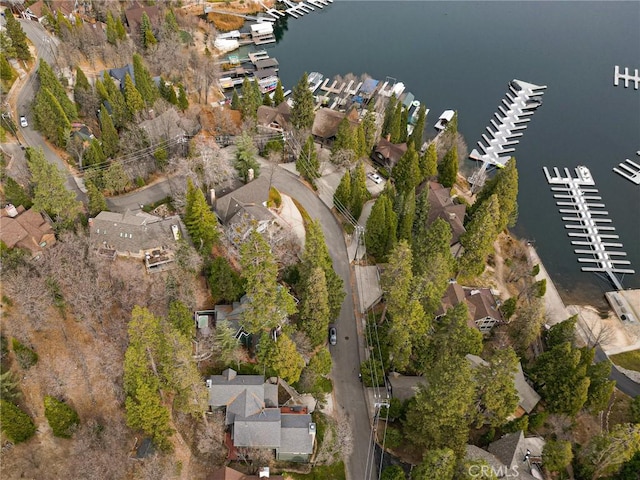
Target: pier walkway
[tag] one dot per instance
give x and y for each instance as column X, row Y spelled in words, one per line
column 521, row 101
column 626, row 77
column 629, row 170
column 588, row 225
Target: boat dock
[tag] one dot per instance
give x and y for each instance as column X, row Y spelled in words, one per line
column 590, row 228
column 520, row 103
column 629, row 170
column 626, row 77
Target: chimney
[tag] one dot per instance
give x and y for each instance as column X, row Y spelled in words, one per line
column 212, row 197
column 229, row 373
column 11, row 210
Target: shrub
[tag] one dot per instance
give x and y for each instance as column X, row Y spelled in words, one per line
column 536, row 420
column 393, row 438
column 26, row 357
column 16, row 424
column 275, row 199
column 61, row 417
column 508, row 308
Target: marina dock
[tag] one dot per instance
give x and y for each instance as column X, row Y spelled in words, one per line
column 590, row 228
column 629, row 170
column 513, row 114
column 626, row 77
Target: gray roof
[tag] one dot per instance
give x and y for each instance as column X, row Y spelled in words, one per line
column 270, row 395
column 508, row 448
column 441, row 205
column 528, row 397
column 261, row 430
column 266, row 63
column 249, row 402
column 477, row 453
column 294, row 434
column 126, row 232
column 255, row 192
column 404, row 387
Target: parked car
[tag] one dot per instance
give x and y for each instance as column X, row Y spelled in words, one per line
column 23, row 122
column 333, row 335
column 374, row 177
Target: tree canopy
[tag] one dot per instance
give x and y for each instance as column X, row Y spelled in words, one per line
column 302, row 112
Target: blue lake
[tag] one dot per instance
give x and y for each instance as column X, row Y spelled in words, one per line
column 461, row 55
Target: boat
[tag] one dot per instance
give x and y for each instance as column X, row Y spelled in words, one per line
column 444, row 119
column 315, row 80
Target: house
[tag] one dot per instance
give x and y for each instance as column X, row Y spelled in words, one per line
column 326, row 122
column 244, row 210
column 227, row 473
column 481, row 304
column 528, row 398
column 441, row 205
column 387, row 154
column 255, row 420
column 134, row 16
column 119, row 74
column 404, row 387
column 232, row 314
column 274, row 118
column 26, row 229
column 517, row 453
column 37, row 10
column 139, row 235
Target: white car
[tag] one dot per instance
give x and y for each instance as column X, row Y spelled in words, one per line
column 23, row 122
column 374, row 177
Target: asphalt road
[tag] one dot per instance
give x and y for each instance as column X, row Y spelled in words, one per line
column 623, row 383
column 45, row 46
column 350, row 405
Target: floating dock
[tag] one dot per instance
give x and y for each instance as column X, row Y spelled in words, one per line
column 629, row 170
column 521, row 101
column 626, row 77
column 588, row 225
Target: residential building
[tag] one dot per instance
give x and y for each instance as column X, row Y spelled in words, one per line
column 441, row 205
column 37, row 11
column 255, row 419
column 276, row 119
column 227, row 473
column 481, row 304
column 134, row 16
column 387, row 154
column 326, row 122
column 26, row 229
column 528, row 398
column 138, row 235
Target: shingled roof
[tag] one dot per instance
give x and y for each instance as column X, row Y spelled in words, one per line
column 254, row 193
column 134, row 234
column 389, row 153
column 441, row 205
column 326, row 122
column 280, row 115
column 25, row 229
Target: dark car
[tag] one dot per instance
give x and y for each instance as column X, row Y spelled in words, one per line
column 333, row 335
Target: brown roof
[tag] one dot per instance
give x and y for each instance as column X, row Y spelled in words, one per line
column 28, row 230
column 480, row 302
column 326, row 122
column 134, row 16
column 390, row 151
column 441, row 205
column 484, row 304
column 280, row 114
column 36, row 8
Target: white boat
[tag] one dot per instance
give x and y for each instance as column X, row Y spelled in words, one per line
column 444, row 119
column 315, row 80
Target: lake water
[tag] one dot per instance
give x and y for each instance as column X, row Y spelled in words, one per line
column 461, row 55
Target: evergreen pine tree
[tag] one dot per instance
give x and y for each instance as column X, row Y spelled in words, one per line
column 49, row 80
column 50, row 118
column 110, row 139
column 388, row 115
column 369, row 127
column 406, row 173
column 278, row 96
column 380, row 232
column 18, row 37
column 235, row 100
column 266, row 100
column 97, row 202
column 94, row 154
column 144, row 82
column 183, row 102
column 404, row 123
column 7, row 73
column 359, row 192
column 307, row 163
column 16, row 425
column 146, row 32
column 170, row 21
column 418, row 129
column 112, row 33
column 132, row 96
column 395, row 128
column 245, row 158
column 200, row 221
column 429, row 162
column 342, row 196
column 302, row 113
column 448, row 168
